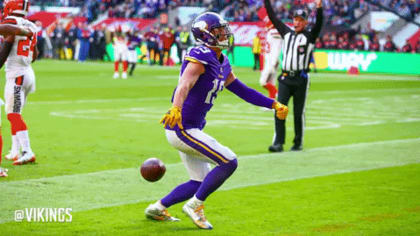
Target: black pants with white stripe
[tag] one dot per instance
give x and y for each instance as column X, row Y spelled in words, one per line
column 295, row 87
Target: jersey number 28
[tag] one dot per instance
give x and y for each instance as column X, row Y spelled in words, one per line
column 24, row 46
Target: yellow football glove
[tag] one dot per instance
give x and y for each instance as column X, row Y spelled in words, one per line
column 172, row 117
column 281, row 110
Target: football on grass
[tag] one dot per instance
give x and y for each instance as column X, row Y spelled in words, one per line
column 152, row 169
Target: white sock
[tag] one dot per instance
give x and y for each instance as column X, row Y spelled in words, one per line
column 159, row 206
column 195, row 201
column 15, row 145
column 23, row 138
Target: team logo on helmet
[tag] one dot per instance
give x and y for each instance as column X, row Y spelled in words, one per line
column 202, row 25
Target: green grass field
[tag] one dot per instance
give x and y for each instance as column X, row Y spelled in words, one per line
column 359, row 173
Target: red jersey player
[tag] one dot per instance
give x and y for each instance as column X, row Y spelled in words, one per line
column 272, row 49
column 18, row 52
column 120, row 43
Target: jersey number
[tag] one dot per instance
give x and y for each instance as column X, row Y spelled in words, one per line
column 217, row 86
column 203, row 50
column 24, row 46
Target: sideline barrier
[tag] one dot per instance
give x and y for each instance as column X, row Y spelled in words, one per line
column 340, row 60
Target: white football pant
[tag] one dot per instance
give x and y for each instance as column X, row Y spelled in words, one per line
column 17, row 89
column 271, row 57
column 198, row 150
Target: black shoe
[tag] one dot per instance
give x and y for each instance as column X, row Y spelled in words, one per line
column 296, row 148
column 275, row 148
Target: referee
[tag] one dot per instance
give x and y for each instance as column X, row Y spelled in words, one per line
column 297, row 48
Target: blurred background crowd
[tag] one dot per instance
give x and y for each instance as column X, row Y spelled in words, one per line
column 64, row 41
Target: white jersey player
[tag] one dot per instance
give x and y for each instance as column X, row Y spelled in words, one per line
column 272, row 51
column 20, row 78
column 120, row 43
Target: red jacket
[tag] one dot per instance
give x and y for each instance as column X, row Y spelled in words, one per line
column 168, row 39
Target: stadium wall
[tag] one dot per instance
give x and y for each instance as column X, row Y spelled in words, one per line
column 341, row 60
column 371, row 62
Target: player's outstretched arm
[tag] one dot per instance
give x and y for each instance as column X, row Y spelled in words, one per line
column 254, row 97
column 190, row 76
column 8, row 29
column 5, row 49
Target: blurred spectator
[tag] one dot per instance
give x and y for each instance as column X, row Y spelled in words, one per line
column 71, row 40
column 325, row 41
column 178, row 42
column 152, row 38
column 102, row 41
column 83, row 35
column 360, row 44
column 418, row 46
column 407, row 47
column 374, row 44
column 57, row 37
column 40, row 39
column 389, row 46
column 318, row 43
column 256, row 50
column 337, row 12
column 342, row 43
column 168, row 38
column 97, row 44
column 332, row 43
column 230, row 50
column 185, row 41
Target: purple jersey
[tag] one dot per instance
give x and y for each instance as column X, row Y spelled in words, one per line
column 201, row 96
column 133, row 42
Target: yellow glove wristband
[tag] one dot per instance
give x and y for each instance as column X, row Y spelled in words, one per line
column 172, row 118
column 281, row 110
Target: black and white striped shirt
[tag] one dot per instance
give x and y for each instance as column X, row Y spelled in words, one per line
column 297, row 47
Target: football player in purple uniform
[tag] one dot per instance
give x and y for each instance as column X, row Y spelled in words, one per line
column 205, row 71
column 134, row 41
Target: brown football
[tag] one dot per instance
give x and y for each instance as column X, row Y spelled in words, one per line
column 152, row 169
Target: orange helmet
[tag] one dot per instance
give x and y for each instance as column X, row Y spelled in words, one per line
column 20, row 7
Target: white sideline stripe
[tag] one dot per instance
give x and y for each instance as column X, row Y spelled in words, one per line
column 328, row 148
column 123, row 186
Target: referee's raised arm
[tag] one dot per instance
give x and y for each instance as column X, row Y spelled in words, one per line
column 280, row 26
column 318, row 23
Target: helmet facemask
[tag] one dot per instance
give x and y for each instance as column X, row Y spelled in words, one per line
column 222, row 35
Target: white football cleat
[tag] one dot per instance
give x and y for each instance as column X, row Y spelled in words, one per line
column 124, row 75
column 3, row 172
column 11, row 156
column 116, row 75
column 196, row 213
column 25, row 158
column 154, row 213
